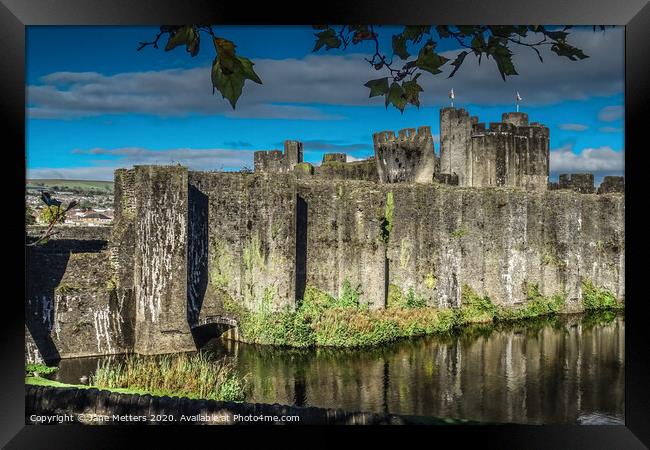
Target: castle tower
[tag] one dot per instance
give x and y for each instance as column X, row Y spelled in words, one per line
column 455, row 144
column 292, row 154
column 409, row 157
column 274, row 161
column 518, row 119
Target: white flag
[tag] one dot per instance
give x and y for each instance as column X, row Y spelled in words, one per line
column 451, row 94
column 518, row 97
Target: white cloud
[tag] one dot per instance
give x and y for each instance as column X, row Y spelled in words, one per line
column 195, row 159
column 610, row 129
column 596, row 160
column 322, row 79
column 573, row 127
column 101, row 173
column 611, row 113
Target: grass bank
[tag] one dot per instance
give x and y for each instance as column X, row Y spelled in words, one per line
column 323, row 320
column 184, row 375
column 178, row 375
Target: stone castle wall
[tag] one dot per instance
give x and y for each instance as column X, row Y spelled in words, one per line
column 185, row 242
column 72, row 307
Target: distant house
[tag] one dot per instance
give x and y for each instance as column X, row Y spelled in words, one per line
column 95, row 218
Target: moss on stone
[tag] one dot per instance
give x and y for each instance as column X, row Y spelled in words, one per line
column 304, row 168
column 111, row 283
column 66, row 288
column 252, row 255
column 430, row 280
column 405, row 250
column 459, row 232
column 399, row 299
column 221, row 266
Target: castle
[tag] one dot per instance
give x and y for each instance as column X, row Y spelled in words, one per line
column 482, row 215
column 511, row 153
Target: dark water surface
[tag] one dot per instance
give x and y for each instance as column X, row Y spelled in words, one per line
column 564, row 370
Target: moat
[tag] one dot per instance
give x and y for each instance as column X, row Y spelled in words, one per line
column 569, row 369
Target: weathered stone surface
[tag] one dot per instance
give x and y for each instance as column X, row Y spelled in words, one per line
column 184, row 242
column 334, row 157
column 508, row 153
column 344, row 237
column 251, row 238
column 612, row 184
column 71, row 306
column 274, row 161
column 365, row 170
column 160, row 262
column 408, row 157
column 579, row 182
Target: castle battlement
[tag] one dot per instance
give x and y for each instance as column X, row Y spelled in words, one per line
column 507, row 153
column 408, row 157
column 275, row 161
column 511, row 153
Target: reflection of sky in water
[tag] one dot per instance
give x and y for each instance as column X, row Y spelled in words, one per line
column 567, row 370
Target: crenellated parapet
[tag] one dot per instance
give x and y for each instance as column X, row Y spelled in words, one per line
column 409, row 157
column 583, row 183
column 275, row 161
column 578, row 182
column 508, row 153
column 611, row 184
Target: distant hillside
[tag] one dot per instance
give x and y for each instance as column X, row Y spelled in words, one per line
column 63, row 185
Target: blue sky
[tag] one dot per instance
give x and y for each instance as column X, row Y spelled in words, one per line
column 94, row 103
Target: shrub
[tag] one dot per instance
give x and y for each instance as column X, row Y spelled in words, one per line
column 396, row 299
column 53, row 214
column 536, row 305
column 595, row 298
column 474, row 308
column 39, row 369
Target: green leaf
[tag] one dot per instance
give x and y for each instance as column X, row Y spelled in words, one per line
column 185, row 35
column 414, row 32
column 478, row 44
column 229, row 84
column 557, row 35
column 503, row 58
column 571, row 52
column 361, row 33
column 229, row 71
column 224, row 47
column 377, row 87
column 247, row 69
column 443, row 31
column 396, row 96
column 399, row 46
column 465, row 30
column 458, row 62
column 503, row 30
column 522, row 30
column 328, row 39
column 412, row 91
column 429, row 60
